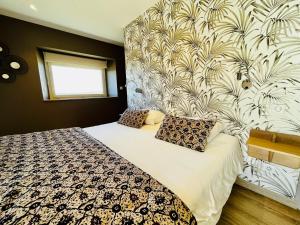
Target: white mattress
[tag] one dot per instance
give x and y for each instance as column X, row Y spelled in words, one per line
column 203, row 181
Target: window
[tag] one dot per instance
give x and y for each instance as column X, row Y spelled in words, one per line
column 74, row 77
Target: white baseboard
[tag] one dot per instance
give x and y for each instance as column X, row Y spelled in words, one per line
column 293, row 203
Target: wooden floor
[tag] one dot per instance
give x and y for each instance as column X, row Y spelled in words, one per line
column 245, row 207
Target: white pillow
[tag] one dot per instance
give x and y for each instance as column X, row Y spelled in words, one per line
column 154, row 117
column 218, row 128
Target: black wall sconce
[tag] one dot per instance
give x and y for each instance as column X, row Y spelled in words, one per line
column 10, row 65
column 239, row 75
column 139, row 90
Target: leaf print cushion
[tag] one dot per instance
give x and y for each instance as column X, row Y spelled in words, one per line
column 185, row 132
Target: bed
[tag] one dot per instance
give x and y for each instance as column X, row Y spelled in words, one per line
column 202, row 180
column 69, row 176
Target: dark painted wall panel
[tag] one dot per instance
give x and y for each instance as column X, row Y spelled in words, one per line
column 22, row 108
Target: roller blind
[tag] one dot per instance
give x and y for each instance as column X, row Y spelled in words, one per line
column 74, row 61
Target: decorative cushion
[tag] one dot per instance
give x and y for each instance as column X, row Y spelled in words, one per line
column 185, row 132
column 133, row 118
column 218, row 127
column 154, row 117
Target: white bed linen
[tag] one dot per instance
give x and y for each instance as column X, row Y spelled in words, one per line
column 203, row 181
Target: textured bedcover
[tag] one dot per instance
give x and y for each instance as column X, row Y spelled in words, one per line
column 202, row 180
column 66, row 177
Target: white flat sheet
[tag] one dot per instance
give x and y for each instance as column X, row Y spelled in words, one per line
column 203, row 181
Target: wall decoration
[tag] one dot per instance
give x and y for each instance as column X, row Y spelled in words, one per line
column 238, row 59
column 10, row 65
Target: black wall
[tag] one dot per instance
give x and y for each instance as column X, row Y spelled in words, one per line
column 22, row 108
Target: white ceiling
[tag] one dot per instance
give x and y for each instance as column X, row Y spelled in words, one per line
column 99, row 19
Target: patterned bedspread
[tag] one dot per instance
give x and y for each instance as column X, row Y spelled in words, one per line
column 67, row 177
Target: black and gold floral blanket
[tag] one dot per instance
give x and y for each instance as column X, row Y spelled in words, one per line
column 67, row 177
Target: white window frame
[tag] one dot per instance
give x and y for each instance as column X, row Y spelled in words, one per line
column 61, row 59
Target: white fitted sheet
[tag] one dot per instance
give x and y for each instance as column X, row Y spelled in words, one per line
column 202, row 180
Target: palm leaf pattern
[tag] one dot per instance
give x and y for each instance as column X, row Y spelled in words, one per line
column 186, row 54
column 231, row 89
column 292, row 45
column 217, row 9
column 267, row 8
column 189, row 14
column 214, row 71
column 238, row 26
column 245, row 4
column 215, row 48
column 157, row 11
column 188, row 66
column 176, row 35
column 244, row 60
column 287, row 20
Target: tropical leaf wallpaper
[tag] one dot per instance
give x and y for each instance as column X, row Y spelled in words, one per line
column 238, row 59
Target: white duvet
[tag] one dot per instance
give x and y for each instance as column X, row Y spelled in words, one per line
column 202, row 180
